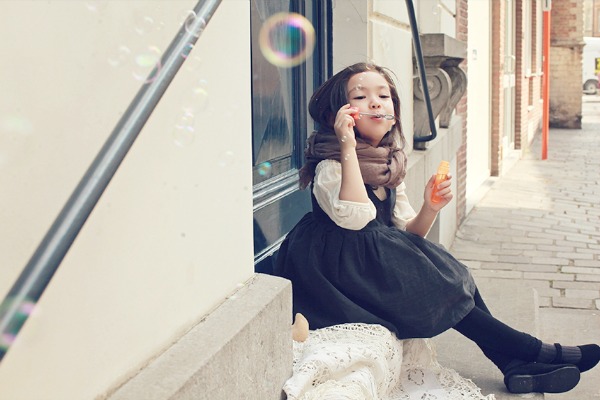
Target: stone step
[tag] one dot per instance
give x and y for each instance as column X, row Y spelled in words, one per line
column 511, row 302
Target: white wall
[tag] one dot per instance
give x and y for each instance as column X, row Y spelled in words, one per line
column 391, row 46
column 478, row 102
column 172, row 234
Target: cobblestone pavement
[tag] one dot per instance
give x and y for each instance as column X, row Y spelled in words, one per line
column 540, row 222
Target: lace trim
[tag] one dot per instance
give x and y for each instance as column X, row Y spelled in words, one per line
column 362, row 361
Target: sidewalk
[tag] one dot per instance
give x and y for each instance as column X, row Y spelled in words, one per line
column 540, row 224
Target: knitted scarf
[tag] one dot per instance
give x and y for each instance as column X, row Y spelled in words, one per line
column 380, row 166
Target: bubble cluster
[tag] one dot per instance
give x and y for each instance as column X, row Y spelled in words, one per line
column 286, row 39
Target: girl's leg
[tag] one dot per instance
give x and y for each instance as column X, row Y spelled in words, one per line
column 513, row 352
column 500, row 360
column 502, row 344
column 498, row 341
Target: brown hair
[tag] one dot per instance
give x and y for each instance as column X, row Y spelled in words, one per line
column 333, row 94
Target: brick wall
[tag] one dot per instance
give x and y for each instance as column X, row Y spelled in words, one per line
column 528, row 106
column 461, row 110
column 498, row 10
column 566, row 44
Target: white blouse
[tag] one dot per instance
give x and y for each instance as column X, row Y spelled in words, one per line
column 350, row 214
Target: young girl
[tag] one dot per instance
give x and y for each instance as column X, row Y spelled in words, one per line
column 361, row 257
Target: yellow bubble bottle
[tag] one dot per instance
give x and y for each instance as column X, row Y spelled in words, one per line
column 440, row 176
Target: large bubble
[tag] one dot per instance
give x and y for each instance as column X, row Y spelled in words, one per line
column 287, row 39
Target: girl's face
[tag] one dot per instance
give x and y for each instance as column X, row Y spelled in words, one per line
column 370, row 93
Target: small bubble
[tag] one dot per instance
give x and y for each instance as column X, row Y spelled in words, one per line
column 343, row 139
column 187, row 50
column 16, row 125
column 147, row 65
column 227, row 159
column 193, row 23
column 95, row 6
column 183, row 131
column 120, row 57
column 346, row 157
column 287, row 39
column 436, row 9
column 192, row 62
column 265, row 169
column 144, row 25
column 6, row 340
column 197, row 98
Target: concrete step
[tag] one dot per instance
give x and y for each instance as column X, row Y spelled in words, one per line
column 512, row 303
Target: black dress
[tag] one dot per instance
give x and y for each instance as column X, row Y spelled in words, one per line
column 377, row 275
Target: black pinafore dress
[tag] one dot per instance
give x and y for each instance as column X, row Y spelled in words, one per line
column 377, row 275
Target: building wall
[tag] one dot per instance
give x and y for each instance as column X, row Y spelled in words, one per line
column 479, row 127
column 529, row 102
column 462, row 34
column 154, row 257
column 498, row 59
column 565, row 63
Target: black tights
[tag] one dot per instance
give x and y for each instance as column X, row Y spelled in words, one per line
column 498, row 341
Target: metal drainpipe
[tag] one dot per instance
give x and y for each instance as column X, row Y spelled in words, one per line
column 422, row 74
column 26, row 291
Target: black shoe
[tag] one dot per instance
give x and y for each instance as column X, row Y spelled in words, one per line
column 543, row 378
column 590, row 356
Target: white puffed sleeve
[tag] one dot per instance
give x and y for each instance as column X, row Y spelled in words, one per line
column 346, row 214
column 403, row 211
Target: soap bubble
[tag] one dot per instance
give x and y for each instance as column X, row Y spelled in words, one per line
column 193, row 23
column 23, row 310
column 95, row 5
column 286, row 39
column 120, row 57
column 145, row 63
column 183, row 131
column 197, row 99
column 187, row 50
column 265, row 169
column 227, row 159
column 15, row 124
column 144, row 25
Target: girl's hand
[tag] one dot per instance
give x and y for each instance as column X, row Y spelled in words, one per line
column 444, row 191
column 344, row 126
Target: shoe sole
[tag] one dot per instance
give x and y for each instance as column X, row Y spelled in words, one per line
column 558, row 381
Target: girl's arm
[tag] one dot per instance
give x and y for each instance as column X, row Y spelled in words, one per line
column 353, row 186
column 422, row 222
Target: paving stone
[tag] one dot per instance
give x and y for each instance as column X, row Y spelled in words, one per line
column 572, row 303
column 582, row 294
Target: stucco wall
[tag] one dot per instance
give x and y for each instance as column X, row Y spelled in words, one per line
column 172, row 234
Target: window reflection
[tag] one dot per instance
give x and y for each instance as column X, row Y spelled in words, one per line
column 272, row 107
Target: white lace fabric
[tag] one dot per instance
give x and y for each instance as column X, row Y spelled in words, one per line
column 367, row 362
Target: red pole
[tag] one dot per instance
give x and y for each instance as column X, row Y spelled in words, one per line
column 546, row 83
